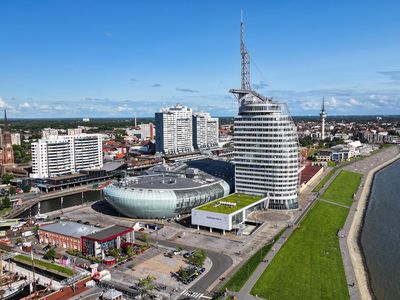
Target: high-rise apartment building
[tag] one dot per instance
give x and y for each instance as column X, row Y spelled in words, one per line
column 174, row 132
column 266, row 148
column 59, row 155
column 205, row 131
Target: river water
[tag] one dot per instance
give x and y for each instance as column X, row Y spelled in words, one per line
column 380, row 236
column 68, row 201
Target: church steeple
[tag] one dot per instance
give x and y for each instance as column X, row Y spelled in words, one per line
column 5, row 120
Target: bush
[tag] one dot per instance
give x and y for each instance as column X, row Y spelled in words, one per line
column 49, row 255
column 198, row 257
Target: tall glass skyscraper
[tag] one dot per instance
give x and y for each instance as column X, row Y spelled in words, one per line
column 266, row 147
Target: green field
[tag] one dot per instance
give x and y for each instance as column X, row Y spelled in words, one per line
column 343, row 187
column 241, row 200
column 324, row 181
column 237, row 281
column 41, row 264
column 309, row 265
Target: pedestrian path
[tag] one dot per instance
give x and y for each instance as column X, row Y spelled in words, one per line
column 194, row 295
column 334, row 203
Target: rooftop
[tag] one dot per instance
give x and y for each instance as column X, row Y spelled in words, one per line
column 67, row 228
column 166, row 181
column 108, row 232
column 238, row 201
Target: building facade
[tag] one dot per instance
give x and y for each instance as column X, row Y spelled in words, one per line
column 205, row 131
column 266, row 151
column 65, row 234
column 7, row 152
column 266, row 147
column 174, row 131
column 66, row 154
column 164, row 194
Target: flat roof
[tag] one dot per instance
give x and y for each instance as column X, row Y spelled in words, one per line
column 108, row 232
column 241, row 201
column 68, row 228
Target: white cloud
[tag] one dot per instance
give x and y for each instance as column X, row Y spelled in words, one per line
column 3, row 103
column 25, row 105
column 353, row 101
column 333, row 102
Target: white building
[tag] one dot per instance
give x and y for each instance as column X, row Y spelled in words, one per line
column 15, row 138
column 266, row 147
column 266, row 151
column 74, row 131
column 174, row 130
column 66, row 154
column 142, row 131
column 205, row 131
column 48, row 132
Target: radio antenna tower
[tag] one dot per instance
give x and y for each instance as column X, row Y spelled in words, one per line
column 245, row 83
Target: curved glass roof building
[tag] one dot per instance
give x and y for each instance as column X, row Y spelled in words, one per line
column 164, row 195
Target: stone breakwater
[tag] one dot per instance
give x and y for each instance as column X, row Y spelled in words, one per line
column 386, row 158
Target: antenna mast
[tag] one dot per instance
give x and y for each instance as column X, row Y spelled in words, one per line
column 245, row 83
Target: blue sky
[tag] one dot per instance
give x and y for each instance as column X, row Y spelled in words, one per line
column 114, row 58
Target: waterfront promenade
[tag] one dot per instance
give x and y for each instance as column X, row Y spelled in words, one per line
column 367, row 166
column 352, row 256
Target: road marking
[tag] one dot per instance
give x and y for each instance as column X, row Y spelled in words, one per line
column 193, row 294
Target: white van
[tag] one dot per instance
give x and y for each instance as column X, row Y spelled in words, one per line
column 27, row 233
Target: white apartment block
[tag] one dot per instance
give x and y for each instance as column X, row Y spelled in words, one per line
column 174, row 132
column 205, row 131
column 48, row 132
column 59, row 155
column 15, row 138
column 74, row 131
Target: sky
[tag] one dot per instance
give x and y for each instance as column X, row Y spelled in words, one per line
column 84, row 58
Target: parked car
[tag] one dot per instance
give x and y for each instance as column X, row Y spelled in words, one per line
column 188, row 254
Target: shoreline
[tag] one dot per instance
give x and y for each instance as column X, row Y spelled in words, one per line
column 353, row 245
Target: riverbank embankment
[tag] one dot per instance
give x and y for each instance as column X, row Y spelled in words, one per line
column 355, row 218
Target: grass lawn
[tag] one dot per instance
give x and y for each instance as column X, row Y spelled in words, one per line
column 309, row 265
column 4, row 211
column 324, row 181
column 331, row 164
column 41, row 264
column 237, row 281
column 241, row 200
column 343, row 187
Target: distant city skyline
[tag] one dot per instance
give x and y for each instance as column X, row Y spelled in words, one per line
column 114, row 59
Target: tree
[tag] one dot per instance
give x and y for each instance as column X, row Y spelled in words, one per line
column 12, row 190
column 198, row 258
column 146, row 286
column 144, row 238
column 18, row 241
column 115, row 252
column 7, row 178
column 129, row 251
column 6, row 203
column 183, row 274
column 27, row 187
column 306, row 141
column 50, row 254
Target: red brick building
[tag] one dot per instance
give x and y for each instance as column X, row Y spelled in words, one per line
column 7, row 153
column 65, row 234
